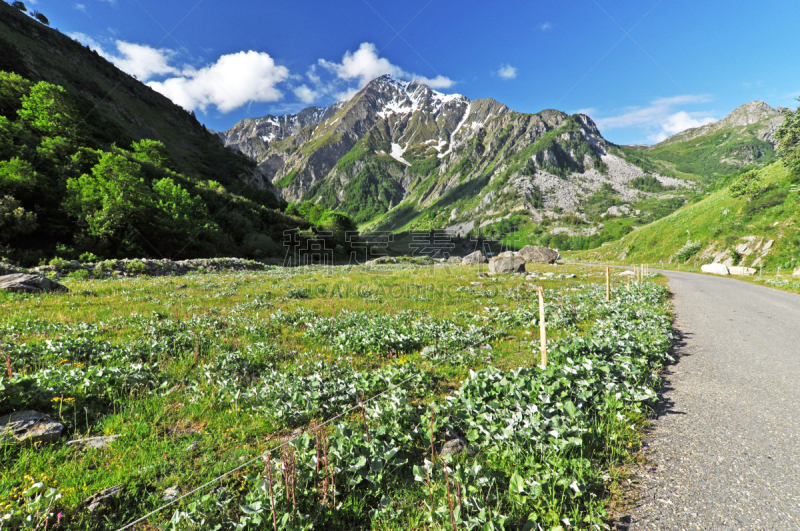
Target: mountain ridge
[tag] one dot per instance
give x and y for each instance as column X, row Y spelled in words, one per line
column 399, row 150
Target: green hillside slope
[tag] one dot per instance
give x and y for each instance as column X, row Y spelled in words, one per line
column 734, row 224
column 95, row 163
column 116, row 107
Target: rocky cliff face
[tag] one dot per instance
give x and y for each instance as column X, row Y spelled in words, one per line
column 401, row 155
column 253, row 136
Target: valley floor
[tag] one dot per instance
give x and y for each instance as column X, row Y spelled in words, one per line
column 395, row 397
column 724, row 445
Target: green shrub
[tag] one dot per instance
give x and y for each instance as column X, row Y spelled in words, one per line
column 88, row 257
column 688, row 250
column 298, row 293
column 80, row 274
column 137, row 268
column 59, row 263
column 750, row 185
column 647, row 183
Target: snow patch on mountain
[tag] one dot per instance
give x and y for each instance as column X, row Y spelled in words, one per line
column 397, row 154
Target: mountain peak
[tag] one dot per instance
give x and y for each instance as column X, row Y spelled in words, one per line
column 752, row 113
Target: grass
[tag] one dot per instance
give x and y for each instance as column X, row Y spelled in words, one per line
column 707, row 155
column 718, row 222
column 206, row 364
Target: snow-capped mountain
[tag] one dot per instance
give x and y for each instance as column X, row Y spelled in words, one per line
column 401, row 155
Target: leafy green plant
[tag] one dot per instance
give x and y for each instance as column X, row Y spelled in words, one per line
column 59, row 263
column 79, row 274
column 689, row 249
column 749, row 185
column 137, row 267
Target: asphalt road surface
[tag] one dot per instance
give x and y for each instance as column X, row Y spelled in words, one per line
column 725, row 446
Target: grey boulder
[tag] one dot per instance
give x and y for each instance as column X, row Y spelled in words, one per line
column 539, row 255
column 474, row 258
column 501, row 265
column 23, row 283
column 30, row 427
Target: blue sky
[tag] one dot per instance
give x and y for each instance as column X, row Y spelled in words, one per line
column 641, row 70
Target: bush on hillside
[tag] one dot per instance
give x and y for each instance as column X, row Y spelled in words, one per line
column 689, row 249
column 750, row 185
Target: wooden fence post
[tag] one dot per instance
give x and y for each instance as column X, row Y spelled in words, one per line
column 608, row 284
column 542, row 329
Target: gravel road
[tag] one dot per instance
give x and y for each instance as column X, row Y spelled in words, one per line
column 725, row 446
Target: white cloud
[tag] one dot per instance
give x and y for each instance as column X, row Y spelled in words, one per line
column 80, row 7
column 660, row 119
column 306, row 95
column 438, row 82
column 364, row 65
column 545, row 26
column 143, row 61
column 507, row 71
column 137, row 60
column 588, row 111
column 681, row 121
column 231, row 82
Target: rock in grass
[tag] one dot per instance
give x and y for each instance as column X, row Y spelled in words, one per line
column 22, row 283
column 94, row 442
column 506, row 264
column 95, row 501
column 736, row 270
column 539, row 255
column 453, row 447
column 171, row 493
column 474, row 258
column 29, row 427
column 796, row 272
column 715, row 269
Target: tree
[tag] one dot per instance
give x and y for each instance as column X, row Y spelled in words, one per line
column 112, row 199
column 6, row 139
column 180, row 218
column 13, row 88
column 292, row 210
column 750, row 185
column 20, row 6
column 47, row 110
column 17, row 177
column 40, row 17
column 14, row 220
column 154, row 152
column 788, row 136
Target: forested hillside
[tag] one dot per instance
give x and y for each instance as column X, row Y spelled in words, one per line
column 95, row 163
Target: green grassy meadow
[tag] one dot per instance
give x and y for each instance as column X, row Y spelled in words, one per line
column 202, row 375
